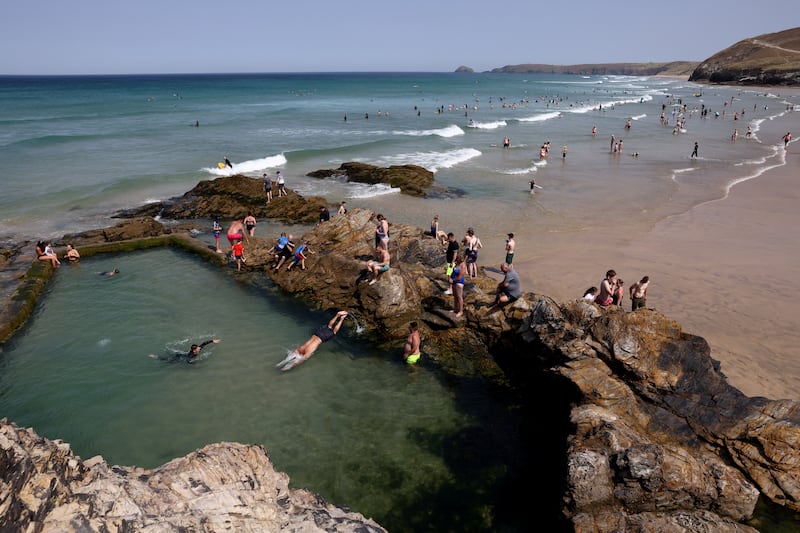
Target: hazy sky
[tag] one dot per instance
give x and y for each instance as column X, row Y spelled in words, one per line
column 183, row 36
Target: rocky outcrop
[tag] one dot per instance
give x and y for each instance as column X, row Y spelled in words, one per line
column 232, row 197
column 220, row 487
column 410, row 179
column 771, row 59
column 463, row 68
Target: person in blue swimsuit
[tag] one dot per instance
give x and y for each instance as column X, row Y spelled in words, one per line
column 322, row 334
column 457, row 286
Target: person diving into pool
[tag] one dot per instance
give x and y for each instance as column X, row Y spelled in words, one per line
column 322, row 334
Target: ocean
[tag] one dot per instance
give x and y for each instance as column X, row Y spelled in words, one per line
column 352, row 424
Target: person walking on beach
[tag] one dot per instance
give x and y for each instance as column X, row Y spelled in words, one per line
column 267, row 187
column 696, row 147
column 322, row 334
column 511, row 245
column 411, row 352
column 216, row 229
column 250, row 224
column 607, row 286
column 281, row 185
column 509, row 290
column 638, row 292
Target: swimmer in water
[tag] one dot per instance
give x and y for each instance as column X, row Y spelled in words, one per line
column 322, row 334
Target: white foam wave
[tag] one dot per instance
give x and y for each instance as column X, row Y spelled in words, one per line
column 520, row 171
column 449, row 131
column 245, row 167
column 432, row 161
column 639, row 117
column 361, row 190
column 541, row 117
column 488, row 125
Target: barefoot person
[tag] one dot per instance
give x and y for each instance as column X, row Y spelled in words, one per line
column 381, row 265
column 236, row 232
column 509, row 290
column 411, row 354
column 322, row 334
column 42, row 255
column 72, row 254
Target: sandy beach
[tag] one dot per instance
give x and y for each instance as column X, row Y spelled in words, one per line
column 725, row 270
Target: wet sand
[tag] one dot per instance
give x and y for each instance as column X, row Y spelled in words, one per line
column 725, row 270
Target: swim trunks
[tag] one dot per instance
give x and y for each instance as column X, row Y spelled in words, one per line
column 324, row 333
column 413, row 358
column 249, row 226
column 384, row 268
column 217, row 233
column 472, row 256
column 509, row 257
column 234, row 236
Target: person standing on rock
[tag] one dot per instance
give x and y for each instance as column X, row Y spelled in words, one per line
column 457, row 286
column 607, row 287
column 638, row 292
column 236, row 232
column 250, row 224
column 450, row 257
column 281, row 185
column 267, row 187
column 217, row 230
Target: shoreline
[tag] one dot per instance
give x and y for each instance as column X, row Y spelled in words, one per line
column 722, row 270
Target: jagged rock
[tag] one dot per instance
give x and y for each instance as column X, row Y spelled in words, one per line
column 220, row 487
column 410, row 179
column 232, row 197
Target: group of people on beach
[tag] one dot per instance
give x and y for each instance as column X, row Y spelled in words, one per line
column 612, row 291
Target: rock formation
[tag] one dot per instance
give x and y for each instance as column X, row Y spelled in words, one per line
column 413, row 180
column 657, row 439
column 220, row 487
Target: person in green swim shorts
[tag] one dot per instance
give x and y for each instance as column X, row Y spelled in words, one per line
column 412, row 354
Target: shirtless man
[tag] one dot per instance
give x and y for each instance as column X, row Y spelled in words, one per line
column 638, row 292
column 411, row 354
column 510, row 246
column 236, row 232
column 376, row 268
column 607, row 287
column 322, row 334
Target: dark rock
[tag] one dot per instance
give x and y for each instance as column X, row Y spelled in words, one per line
column 410, row 179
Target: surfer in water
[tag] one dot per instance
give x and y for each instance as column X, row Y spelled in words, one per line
column 227, row 162
column 322, row 334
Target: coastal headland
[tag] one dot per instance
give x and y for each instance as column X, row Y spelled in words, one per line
column 652, row 436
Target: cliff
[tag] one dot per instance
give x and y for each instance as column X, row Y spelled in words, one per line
column 771, row 59
column 657, row 440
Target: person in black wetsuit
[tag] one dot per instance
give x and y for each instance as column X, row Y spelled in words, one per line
column 189, row 356
column 322, row 334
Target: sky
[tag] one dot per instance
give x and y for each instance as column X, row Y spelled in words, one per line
column 54, row 37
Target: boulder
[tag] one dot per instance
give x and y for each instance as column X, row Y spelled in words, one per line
column 410, row 179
